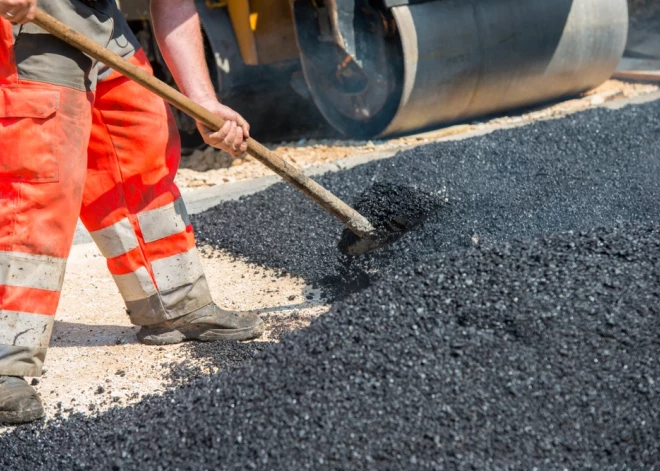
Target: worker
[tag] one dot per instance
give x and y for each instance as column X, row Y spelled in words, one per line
column 80, row 140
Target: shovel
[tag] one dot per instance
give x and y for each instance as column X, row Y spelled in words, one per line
column 353, row 220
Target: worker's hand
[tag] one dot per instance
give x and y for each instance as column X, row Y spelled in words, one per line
column 18, row 11
column 232, row 136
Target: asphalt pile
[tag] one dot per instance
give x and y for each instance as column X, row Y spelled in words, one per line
column 508, row 331
column 590, row 169
column 393, row 210
column 533, row 354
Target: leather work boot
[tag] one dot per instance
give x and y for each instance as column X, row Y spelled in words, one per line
column 208, row 324
column 19, row 402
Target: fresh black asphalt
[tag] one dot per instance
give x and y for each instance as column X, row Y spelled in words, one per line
column 590, row 169
column 516, row 329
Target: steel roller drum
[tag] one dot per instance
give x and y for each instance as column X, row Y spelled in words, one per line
column 468, row 58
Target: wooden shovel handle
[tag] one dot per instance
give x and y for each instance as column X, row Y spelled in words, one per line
column 328, row 201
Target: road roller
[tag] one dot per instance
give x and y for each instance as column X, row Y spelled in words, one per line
column 378, row 68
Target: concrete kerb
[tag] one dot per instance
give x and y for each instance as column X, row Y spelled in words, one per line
column 200, row 199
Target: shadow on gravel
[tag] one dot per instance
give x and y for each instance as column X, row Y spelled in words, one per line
column 595, row 168
column 79, row 334
column 208, row 358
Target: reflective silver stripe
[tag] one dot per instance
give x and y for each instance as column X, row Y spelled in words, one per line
column 22, row 329
column 171, row 273
column 164, row 221
column 178, row 270
column 32, row 271
column 135, row 286
column 116, row 240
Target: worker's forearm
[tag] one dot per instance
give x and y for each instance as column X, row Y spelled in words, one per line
column 178, row 32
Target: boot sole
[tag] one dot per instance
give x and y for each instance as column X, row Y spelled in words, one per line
column 203, row 335
column 21, row 417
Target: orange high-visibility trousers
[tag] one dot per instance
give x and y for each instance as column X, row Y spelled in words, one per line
column 78, row 140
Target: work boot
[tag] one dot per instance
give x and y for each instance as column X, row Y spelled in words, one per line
column 19, row 402
column 208, row 324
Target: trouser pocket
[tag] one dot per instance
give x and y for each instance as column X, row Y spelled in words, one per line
column 29, row 134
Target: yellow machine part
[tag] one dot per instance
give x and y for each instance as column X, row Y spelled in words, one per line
column 264, row 29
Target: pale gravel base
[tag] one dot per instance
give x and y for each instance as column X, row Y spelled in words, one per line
column 210, row 167
column 95, row 362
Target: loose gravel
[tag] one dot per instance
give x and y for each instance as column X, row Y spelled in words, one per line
column 539, row 354
column 590, row 169
column 466, row 348
column 393, row 210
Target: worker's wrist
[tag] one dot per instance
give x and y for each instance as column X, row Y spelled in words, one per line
column 202, row 97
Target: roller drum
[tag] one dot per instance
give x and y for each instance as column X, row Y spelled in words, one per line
column 469, row 58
